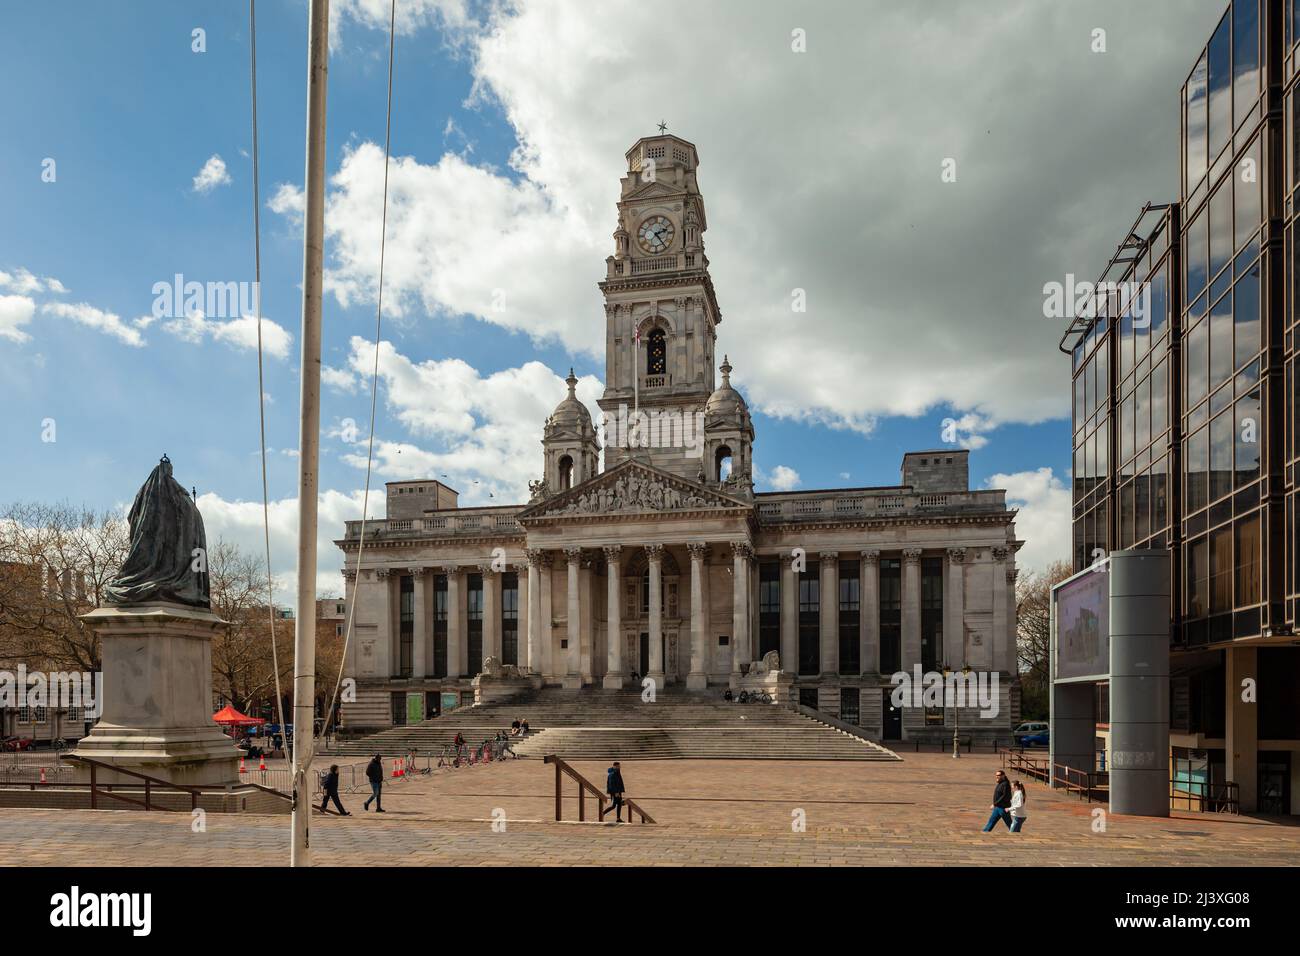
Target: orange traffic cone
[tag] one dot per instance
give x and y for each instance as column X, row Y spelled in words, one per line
column 42, row 775
column 395, row 773
column 262, row 763
column 242, row 768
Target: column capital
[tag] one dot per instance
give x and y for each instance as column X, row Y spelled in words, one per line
column 699, row 550
column 452, row 570
column 383, row 573
column 1011, row 575
column 870, row 556
column 742, row 549
column 828, row 557
column 573, row 555
column 349, row 574
column 538, row 557
column 486, row 569
column 911, row 555
column 655, row 552
column 956, row 555
column 416, row 571
column 613, row 553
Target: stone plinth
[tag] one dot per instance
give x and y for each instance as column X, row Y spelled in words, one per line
column 490, row 690
column 778, row 684
column 157, row 697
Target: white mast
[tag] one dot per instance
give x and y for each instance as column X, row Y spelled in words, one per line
column 304, row 641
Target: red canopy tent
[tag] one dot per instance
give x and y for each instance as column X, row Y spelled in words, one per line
column 234, row 719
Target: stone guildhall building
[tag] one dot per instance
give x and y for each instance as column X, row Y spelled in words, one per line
column 659, row 560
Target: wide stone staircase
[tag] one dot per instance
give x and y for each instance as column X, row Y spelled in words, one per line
column 598, row 724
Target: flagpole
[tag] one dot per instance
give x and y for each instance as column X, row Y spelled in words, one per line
column 304, row 641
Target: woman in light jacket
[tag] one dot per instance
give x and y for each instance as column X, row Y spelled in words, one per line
column 1018, row 811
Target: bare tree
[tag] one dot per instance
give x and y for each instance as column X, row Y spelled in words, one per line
column 1033, row 634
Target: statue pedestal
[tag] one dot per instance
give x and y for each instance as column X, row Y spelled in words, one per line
column 157, row 697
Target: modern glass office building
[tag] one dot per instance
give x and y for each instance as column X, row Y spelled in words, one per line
column 1186, row 420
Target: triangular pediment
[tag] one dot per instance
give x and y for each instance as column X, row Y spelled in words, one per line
column 630, row 488
column 655, row 190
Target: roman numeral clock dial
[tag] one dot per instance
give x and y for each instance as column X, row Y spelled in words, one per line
column 655, row 234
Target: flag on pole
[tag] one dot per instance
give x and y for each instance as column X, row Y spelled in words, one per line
column 636, row 369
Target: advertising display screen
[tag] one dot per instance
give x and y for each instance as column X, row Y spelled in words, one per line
column 1083, row 627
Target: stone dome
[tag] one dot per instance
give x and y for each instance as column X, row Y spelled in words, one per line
column 726, row 402
column 571, row 415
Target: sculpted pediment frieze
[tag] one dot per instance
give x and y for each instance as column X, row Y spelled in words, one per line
column 633, row 488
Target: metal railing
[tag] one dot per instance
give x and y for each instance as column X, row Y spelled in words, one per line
column 1089, row 784
column 1199, row 796
column 585, row 786
column 1036, row 768
column 152, row 786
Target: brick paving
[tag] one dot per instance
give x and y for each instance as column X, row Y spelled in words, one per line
column 927, row 810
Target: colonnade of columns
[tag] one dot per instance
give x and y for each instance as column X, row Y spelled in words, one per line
column 575, row 658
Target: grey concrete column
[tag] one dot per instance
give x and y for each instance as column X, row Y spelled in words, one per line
column 655, row 553
column 911, row 616
column 829, row 612
column 954, row 610
column 532, row 655
column 574, row 606
column 491, row 614
column 869, row 630
column 740, row 655
column 384, row 636
column 698, row 678
column 614, row 672
column 1241, row 733
column 1139, row 682
column 789, row 615
column 421, row 631
column 457, row 635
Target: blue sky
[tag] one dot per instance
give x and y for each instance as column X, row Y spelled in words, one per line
column 820, row 170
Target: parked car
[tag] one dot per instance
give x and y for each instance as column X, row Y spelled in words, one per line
column 15, row 744
column 1035, row 730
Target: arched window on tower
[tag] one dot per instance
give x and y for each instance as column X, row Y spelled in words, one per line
column 566, row 473
column 722, row 463
column 656, row 356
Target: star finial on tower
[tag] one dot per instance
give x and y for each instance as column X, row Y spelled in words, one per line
column 663, row 127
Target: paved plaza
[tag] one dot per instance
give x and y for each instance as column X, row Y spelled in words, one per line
column 926, row 810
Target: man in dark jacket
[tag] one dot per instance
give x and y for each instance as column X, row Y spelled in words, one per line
column 614, row 787
column 331, row 788
column 1001, row 801
column 375, row 774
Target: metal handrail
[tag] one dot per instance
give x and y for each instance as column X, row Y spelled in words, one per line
column 150, row 784
column 1086, row 783
column 585, row 786
column 1204, row 797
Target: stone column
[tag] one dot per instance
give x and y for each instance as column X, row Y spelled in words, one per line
column 532, row 656
column 574, row 634
column 349, row 599
column 420, row 622
column 829, row 617
column 869, row 629
column 911, row 617
column 587, row 617
column 655, row 553
column 545, row 663
column 521, row 611
column 614, row 673
column 954, row 610
column 740, row 655
column 491, row 614
column 1001, row 657
column 1241, row 731
column 387, row 665
column 698, row 678
column 789, row 615
column 457, row 636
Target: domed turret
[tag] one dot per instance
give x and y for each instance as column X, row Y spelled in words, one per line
column 726, row 403
column 728, row 435
column 569, row 440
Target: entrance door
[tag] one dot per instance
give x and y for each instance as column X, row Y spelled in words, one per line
column 893, row 728
column 1274, row 782
column 414, row 708
column 644, row 656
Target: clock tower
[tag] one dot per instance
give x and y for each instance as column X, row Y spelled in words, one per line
column 661, row 312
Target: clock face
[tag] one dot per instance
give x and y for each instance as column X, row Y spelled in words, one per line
column 655, row 234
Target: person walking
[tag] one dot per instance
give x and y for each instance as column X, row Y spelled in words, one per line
column 331, row 788
column 1018, row 811
column 614, row 787
column 375, row 774
column 1001, row 801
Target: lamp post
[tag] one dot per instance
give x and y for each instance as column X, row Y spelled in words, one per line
column 956, row 712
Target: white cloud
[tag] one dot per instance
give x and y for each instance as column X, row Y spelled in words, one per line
column 24, row 283
column 1043, row 522
column 15, row 312
column 98, row 319
column 212, row 175
column 240, row 333
column 339, row 379
column 911, row 309
column 288, row 201
column 783, row 478
column 487, row 429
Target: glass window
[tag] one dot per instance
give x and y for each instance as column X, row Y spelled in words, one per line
column 1142, row 506
column 1221, row 227
column 1220, row 106
column 1198, row 565
column 1245, row 57
column 1245, row 316
column 1125, row 345
column 1198, row 348
column 1159, row 303
column 1248, row 560
column 1246, row 194
column 1221, row 342
column 1102, row 463
column 1195, row 120
column 1220, row 455
column 1197, row 256
column 1197, row 466
column 1142, row 413
column 1126, row 430
column 1248, row 438
column 1159, row 399
column 1159, row 495
column 1221, row 570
